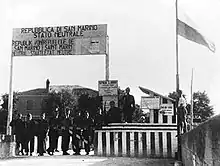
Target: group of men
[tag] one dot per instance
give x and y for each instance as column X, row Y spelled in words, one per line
column 25, row 131
column 79, row 128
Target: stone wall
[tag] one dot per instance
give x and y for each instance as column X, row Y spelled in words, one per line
column 7, row 146
column 201, row 146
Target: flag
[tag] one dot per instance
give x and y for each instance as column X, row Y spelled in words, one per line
column 190, row 33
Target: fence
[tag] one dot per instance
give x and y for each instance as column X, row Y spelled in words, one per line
column 136, row 140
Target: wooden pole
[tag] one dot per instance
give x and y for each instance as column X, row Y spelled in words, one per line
column 191, row 107
column 10, row 98
column 107, row 59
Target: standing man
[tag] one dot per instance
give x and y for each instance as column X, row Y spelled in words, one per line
column 128, row 105
column 30, row 132
column 182, row 112
column 114, row 114
column 76, row 136
column 66, row 132
column 42, row 135
column 18, row 127
column 85, row 123
column 54, row 124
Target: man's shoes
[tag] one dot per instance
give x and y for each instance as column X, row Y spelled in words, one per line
column 56, row 150
column 49, row 152
column 65, row 153
column 76, row 153
column 40, row 154
column 22, row 153
column 87, row 153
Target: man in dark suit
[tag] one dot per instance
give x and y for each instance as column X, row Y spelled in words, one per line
column 42, row 135
column 54, row 125
column 30, row 132
column 18, row 126
column 84, row 125
column 114, row 114
column 66, row 125
column 128, row 105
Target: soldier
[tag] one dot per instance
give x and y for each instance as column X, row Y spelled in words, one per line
column 128, row 106
column 114, row 114
column 30, row 132
column 66, row 123
column 54, row 125
column 18, row 127
column 42, row 135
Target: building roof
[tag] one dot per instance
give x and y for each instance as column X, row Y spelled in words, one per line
column 43, row 91
column 37, row 91
column 69, row 87
column 148, row 91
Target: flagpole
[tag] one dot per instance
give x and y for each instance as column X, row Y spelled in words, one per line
column 191, row 107
column 177, row 57
column 177, row 87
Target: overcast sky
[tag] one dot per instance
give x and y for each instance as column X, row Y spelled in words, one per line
column 142, row 45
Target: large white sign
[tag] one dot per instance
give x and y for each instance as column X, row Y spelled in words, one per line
column 166, row 109
column 150, row 102
column 109, row 87
column 60, row 40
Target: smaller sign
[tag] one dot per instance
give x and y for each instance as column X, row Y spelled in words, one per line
column 150, row 102
column 108, row 87
column 166, row 109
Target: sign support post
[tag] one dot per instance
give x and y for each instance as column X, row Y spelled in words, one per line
column 10, row 98
column 107, row 59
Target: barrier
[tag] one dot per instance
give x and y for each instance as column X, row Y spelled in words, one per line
column 136, row 140
column 7, row 146
column 201, row 145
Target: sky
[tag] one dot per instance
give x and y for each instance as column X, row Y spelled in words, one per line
column 141, row 45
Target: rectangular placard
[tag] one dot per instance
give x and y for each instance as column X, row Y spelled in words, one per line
column 108, row 88
column 150, row 102
column 63, row 40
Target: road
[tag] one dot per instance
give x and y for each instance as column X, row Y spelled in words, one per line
column 83, row 161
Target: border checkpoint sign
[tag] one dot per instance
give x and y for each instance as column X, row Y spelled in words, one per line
column 60, row 40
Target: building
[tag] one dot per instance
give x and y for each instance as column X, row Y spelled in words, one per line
column 155, row 115
column 34, row 101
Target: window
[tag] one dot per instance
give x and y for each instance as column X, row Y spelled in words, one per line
column 30, row 104
column 44, row 104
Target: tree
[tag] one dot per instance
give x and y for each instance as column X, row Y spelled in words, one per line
column 4, row 110
column 201, row 106
column 91, row 104
column 4, row 105
column 66, row 100
column 61, row 100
